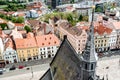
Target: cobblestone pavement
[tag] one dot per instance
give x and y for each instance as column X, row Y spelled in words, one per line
column 109, row 68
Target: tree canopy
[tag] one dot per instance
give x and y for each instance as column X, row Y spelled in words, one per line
column 27, row 28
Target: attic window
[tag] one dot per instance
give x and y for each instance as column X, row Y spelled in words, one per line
column 42, row 43
column 45, row 39
column 49, row 43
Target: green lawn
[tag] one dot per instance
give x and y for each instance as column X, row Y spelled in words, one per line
column 3, row 6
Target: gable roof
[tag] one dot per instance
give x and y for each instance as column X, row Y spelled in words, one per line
column 19, row 24
column 34, row 23
column 47, row 40
column 102, row 29
column 25, row 43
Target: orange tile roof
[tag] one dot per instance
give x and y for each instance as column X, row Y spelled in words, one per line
column 30, row 35
column 47, row 40
column 25, row 43
column 19, row 24
column 102, row 29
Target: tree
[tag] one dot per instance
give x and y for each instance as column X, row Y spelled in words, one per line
column 27, row 28
column 3, row 26
column 20, row 20
column 85, row 18
column 70, row 17
column 14, row 19
column 80, row 18
column 98, row 9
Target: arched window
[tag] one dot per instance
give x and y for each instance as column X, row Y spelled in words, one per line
column 91, row 66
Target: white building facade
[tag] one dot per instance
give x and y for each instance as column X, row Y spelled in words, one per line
column 1, row 49
column 112, row 39
column 10, row 56
column 47, row 52
column 48, row 45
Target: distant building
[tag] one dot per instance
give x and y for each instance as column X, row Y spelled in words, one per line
column 76, row 36
column 10, row 56
column 19, row 26
column 105, row 38
column 26, row 49
column 48, row 45
column 116, row 26
column 16, row 34
column 40, row 28
column 32, row 14
column 10, row 25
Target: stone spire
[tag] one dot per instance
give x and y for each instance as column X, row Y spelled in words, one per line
column 89, row 53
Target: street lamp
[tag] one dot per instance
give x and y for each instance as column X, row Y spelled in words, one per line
column 31, row 73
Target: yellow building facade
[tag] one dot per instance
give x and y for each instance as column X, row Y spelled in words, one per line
column 27, row 54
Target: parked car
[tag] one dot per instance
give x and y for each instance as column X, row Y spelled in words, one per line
column 27, row 68
column 21, row 67
column 12, row 68
column 1, row 71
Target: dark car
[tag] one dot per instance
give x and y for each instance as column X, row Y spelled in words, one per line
column 12, row 68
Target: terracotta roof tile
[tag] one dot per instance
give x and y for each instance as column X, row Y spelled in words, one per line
column 19, row 24
column 102, row 29
column 47, row 40
column 25, row 43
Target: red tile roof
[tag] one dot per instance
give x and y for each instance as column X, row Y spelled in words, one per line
column 19, row 24
column 25, row 43
column 47, row 40
column 102, row 29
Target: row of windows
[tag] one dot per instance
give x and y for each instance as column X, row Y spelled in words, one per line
column 100, row 45
column 10, row 57
column 34, row 50
column 82, row 40
column 100, row 41
column 29, row 55
column 47, row 52
column 47, row 48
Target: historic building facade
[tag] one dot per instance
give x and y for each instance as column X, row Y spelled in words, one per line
column 48, row 45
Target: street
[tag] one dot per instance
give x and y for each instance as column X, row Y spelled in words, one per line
column 24, row 74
